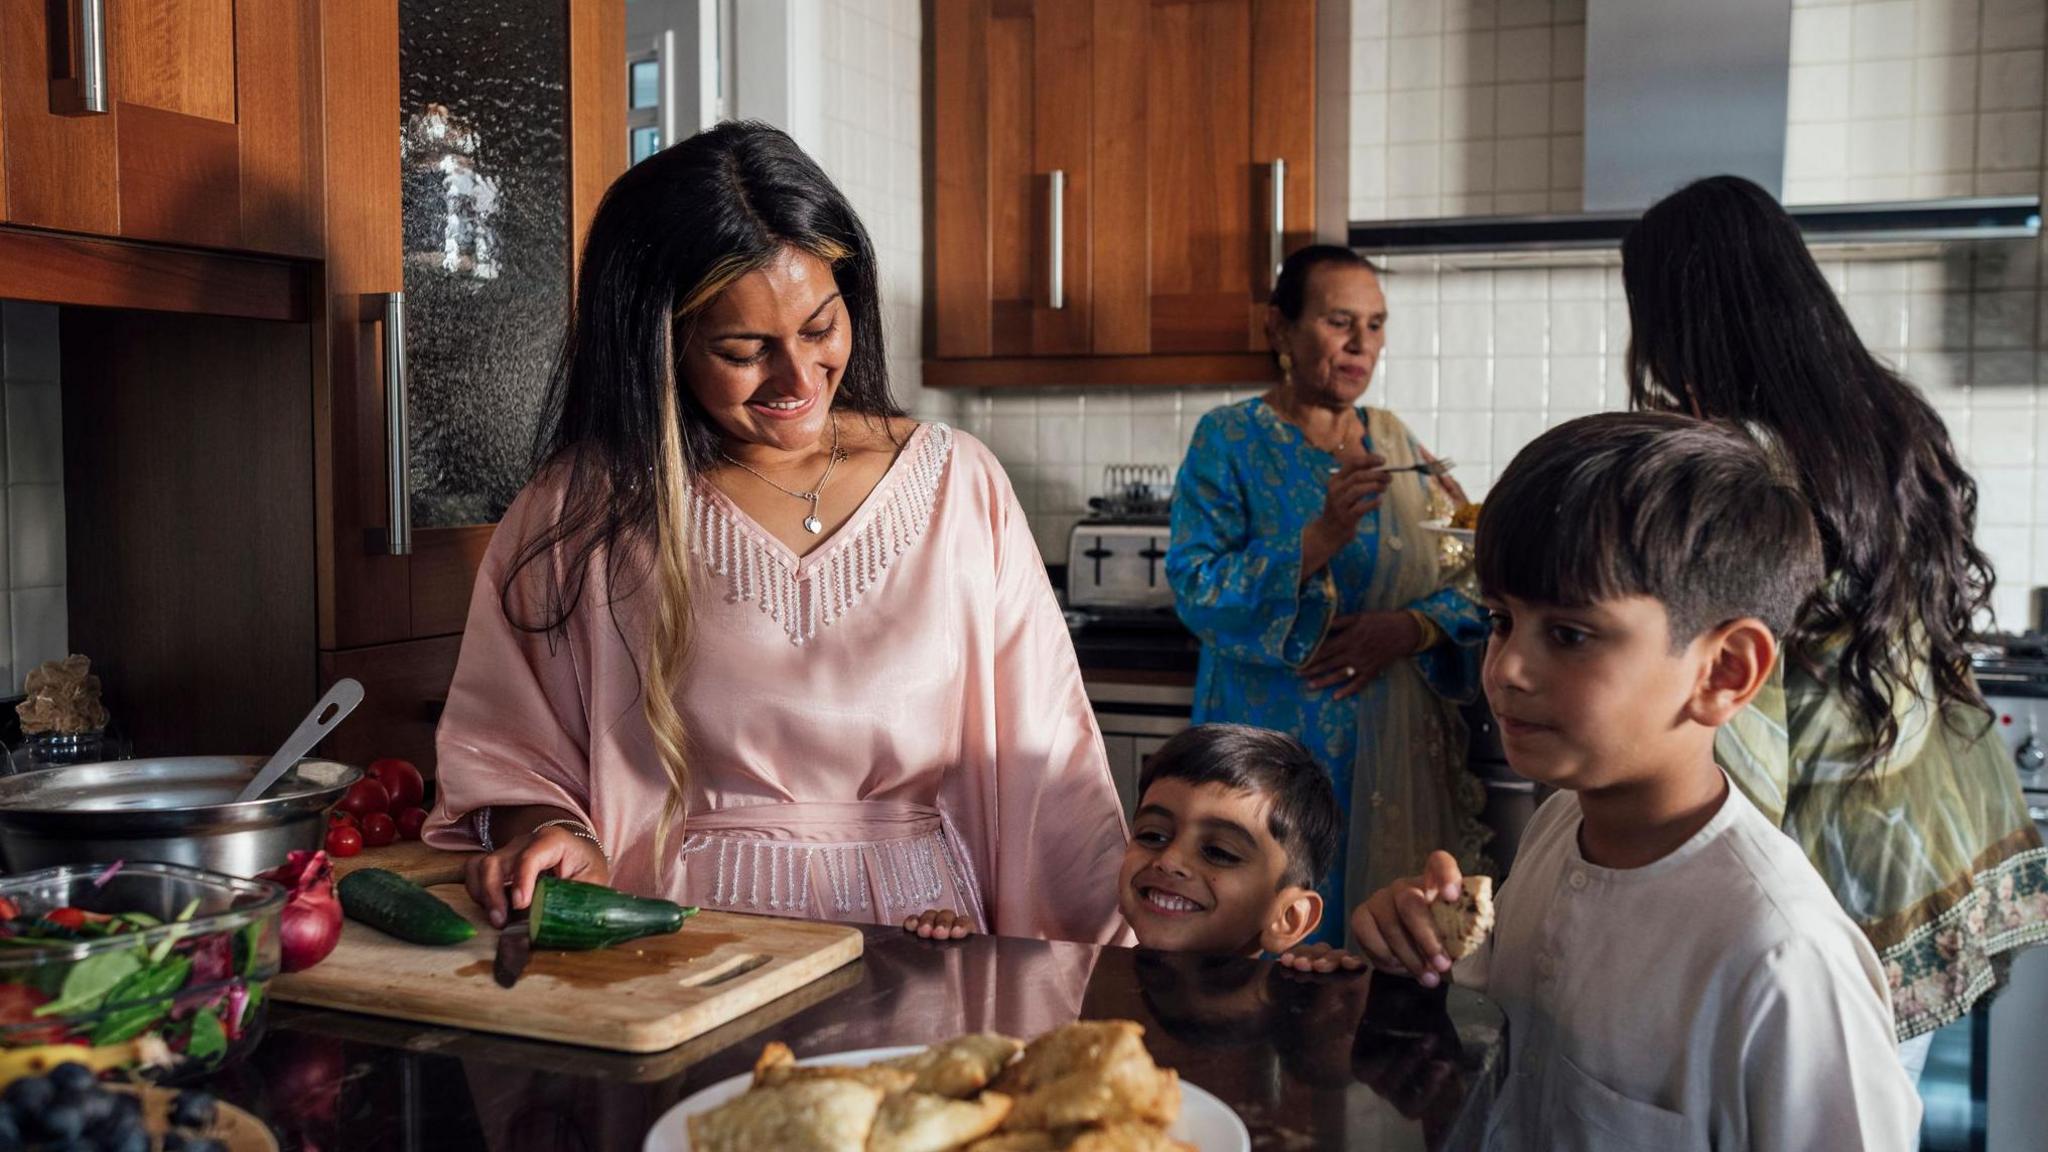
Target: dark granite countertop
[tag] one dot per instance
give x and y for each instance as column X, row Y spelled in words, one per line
column 1308, row 1062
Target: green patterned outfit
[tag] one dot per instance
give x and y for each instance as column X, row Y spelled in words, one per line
column 1931, row 851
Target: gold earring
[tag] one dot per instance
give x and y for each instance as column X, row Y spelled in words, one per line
column 1286, row 365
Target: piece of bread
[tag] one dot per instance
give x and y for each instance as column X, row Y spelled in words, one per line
column 960, row 1067
column 802, row 1116
column 778, row 1066
column 1092, row 1073
column 921, row 1122
column 1462, row 924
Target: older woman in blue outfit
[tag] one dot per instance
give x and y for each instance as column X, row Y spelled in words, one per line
column 1324, row 608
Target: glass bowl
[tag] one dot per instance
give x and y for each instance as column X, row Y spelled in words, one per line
column 178, row 991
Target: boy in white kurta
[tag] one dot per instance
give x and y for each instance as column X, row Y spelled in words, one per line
column 1674, row 972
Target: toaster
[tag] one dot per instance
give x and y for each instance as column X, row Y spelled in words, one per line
column 1119, row 563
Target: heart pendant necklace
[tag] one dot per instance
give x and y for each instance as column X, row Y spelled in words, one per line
column 812, row 524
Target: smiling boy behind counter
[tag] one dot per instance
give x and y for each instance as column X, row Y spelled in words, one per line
column 1235, row 828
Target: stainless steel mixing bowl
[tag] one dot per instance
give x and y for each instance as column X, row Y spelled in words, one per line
column 177, row 810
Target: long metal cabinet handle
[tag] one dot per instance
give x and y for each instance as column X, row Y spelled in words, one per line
column 1056, row 238
column 1277, row 252
column 397, row 442
column 665, row 86
column 84, row 92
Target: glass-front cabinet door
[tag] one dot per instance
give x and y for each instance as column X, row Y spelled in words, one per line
column 467, row 147
column 484, row 167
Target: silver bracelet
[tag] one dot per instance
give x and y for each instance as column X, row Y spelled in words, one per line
column 576, row 828
column 481, row 818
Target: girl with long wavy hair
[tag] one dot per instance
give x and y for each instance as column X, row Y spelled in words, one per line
column 751, row 638
column 1875, row 751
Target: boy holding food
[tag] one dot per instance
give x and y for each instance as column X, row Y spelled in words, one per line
column 1674, row 972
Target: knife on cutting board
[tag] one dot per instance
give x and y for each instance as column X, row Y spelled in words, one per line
column 515, row 948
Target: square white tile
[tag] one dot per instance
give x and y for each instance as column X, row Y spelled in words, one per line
column 1881, row 88
column 1107, row 439
column 1520, row 384
column 1521, row 328
column 1522, row 165
column 30, row 337
column 2005, row 496
column 2013, row 23
column 1820, row 35
column 2003, row 319
column 1155, row 439
column 1568, row 105
column 2009, row 80
column 1817, row 93
column 1466, row 328
column 1466, row 437
column 1512, row 432
column 33, row 433
column 1881, row 30
column 1524, row 54
column 2008, row 140
column 1816, row 151
column 41, row 626
column 1947, row 25
column 1577, row 383
column 2005, row 438
column 1568, row 51
column 1416, row 17
column 1469, row 58
column 35, row 521
column 1466, row 384
column 1415, row 62
column 1522, row 109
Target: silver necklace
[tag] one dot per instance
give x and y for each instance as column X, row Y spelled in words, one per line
column 811, row 522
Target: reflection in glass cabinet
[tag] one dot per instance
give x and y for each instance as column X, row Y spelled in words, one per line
column 486, row 235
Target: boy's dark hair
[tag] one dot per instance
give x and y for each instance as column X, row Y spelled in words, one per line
column 1238, row 756
column 1691, row 513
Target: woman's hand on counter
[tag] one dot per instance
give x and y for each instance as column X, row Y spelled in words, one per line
column 1358, row 648
column 1353, row 490
column 503, row 880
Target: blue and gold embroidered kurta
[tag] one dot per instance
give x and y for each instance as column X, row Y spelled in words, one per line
column 1249, row 485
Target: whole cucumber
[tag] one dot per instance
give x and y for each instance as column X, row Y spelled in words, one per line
column 392, row 904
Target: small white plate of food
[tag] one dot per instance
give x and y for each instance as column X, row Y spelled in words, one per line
column 1460, row 525
column 1092, row 1083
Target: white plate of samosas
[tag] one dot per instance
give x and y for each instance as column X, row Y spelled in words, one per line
column 1088, row 1087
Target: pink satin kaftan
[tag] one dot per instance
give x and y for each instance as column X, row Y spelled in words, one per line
column 891, row 723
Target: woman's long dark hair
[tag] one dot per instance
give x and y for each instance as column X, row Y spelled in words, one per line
column 1731, row 318
column 670, row 235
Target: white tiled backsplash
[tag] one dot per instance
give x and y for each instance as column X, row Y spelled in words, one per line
column 872, row 119
column 1464, row 106
column 32, row 612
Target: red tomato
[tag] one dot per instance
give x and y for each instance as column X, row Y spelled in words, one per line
column 338, row 817
column 409, row 821
column 8, row 909
column 401, row 780
column 378, row 830
column 364, row 797
column 18, row 1023
column 72, row 918
column 343, row 840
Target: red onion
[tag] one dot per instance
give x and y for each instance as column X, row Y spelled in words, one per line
column 310, row 925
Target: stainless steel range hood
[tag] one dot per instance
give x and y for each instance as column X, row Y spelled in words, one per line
column 1681, row 89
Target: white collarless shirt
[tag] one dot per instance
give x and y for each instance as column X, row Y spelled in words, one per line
column 1717, row 998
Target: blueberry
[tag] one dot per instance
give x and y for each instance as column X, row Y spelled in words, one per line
column 10, row 1129
column 81, row 1144
column 125, row 1135
column 63, row 1121
column 192, row 1110
column 29, row 1095
column 72, row 1079
column 98, row 1108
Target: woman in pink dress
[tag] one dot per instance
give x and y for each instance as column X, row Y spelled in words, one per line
column 751, row 639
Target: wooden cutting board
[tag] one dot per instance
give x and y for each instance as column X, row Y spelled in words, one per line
column 644, row 996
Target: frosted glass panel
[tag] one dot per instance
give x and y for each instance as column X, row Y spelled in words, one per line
column 483, row 115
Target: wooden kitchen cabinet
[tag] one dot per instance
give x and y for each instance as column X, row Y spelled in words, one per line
column 439, row 222
column 210, row 135
column 1143, row 135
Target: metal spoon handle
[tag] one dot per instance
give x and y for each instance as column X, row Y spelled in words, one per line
column 332, row 709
